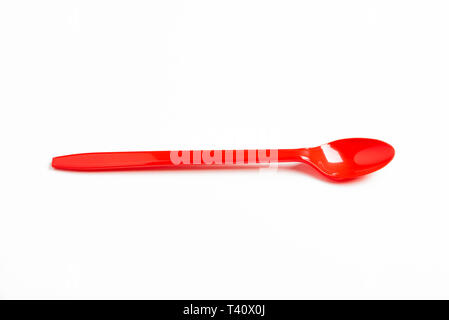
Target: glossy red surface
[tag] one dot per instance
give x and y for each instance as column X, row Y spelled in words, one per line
column 349, row 158
column 339, row 160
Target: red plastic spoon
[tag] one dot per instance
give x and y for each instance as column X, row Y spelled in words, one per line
column 339, row 160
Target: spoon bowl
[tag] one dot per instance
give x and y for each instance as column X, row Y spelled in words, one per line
column 348, row 158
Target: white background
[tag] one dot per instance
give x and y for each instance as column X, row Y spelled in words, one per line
column 87, row 76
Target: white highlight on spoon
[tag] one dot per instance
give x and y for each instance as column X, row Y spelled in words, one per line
column 331, row 155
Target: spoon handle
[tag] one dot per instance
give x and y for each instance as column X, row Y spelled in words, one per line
column 152, row 159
